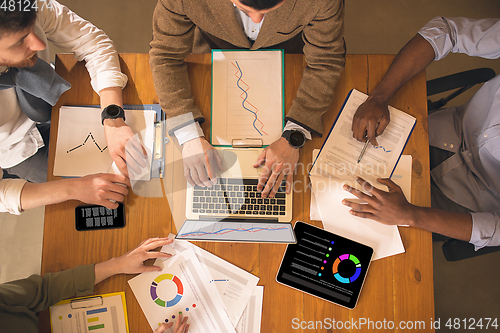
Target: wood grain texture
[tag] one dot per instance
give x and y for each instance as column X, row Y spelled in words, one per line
column 397, row 288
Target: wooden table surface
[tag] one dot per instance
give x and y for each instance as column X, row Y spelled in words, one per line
column 397, row 289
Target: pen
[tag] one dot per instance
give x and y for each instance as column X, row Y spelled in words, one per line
column 363, row 150
column 366, row 144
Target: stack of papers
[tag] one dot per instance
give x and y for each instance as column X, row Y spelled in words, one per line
column 337, row 164
column 216, row 295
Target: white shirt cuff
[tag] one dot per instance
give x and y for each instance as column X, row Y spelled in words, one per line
column 485, row 230
column 10, row 195
column 290, row 125
column 188, row 132
column 108, row 79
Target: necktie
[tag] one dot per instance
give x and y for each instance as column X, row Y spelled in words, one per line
column 38, row 88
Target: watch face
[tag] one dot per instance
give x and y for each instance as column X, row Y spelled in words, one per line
column 297, row 139
column 113, row 111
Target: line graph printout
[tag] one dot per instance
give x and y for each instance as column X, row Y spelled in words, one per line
column 81, row 147
column 230, row 231
column 247, row 96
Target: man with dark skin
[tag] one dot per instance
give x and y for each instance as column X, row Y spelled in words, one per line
column 463, row 140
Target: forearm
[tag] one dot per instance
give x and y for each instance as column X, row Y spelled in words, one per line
column 414, row 57
column 106, row 269
column 36, row 195
column 112, row 95
column 451, row 224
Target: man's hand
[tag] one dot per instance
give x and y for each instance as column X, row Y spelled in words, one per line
column 124, row 148
column 201, row 162
column 370, row 120
column 279, row 159
column 386, row 207
column 181, row 326
column 100, row 189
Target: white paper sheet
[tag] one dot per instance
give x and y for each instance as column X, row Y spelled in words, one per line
column 247, row 96
column 401, row 176
column 251, row 319
column 81, row 145
column 182, row 286
column 384, row 239
column 234, row 284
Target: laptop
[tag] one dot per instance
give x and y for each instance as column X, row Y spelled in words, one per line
column 235, row 199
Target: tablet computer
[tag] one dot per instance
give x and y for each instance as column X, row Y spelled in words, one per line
column 325, row 265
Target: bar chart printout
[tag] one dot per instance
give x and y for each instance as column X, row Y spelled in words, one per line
column 237, row 231
column 101, row 314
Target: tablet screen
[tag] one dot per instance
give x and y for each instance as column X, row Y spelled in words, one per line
column 325, row 265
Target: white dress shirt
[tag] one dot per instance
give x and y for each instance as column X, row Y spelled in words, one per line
column 19, row 137
column 471, row 177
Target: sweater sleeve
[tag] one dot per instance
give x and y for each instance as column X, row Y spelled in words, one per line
column 37, row 293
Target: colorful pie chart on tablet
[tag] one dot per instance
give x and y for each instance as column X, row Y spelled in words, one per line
column 355, row 275
column 175, row 299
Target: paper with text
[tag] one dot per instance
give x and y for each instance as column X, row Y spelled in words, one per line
column 234, row 284
column 339, row 155
column 181, row 286
column 250, row 321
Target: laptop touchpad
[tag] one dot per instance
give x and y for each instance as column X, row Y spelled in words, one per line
column 239, row 162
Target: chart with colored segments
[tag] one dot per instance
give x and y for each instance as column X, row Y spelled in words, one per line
column 181, row 288
column 325, row 265
column 177, row 297
column 335, row 267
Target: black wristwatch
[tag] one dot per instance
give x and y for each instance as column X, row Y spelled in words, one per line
column 295, row 138
column 112, row 111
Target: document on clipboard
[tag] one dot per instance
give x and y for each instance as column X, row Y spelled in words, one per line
column 100, row 314
column 247, row 97
column 81, row 145
column 339, row 154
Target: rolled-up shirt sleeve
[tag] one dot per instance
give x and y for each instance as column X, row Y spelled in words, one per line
column 10, row 194
column 485, row 230
column 463, row 35
column 73, row 34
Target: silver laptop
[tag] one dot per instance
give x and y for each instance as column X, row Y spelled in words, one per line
column 235, row 197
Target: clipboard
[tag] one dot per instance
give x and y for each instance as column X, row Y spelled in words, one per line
column 159, row 138
column 248, row 108
column 337, row 138
column 100, row 313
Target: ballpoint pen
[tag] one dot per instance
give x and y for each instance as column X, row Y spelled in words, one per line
column 363, row 150
column 366, row 144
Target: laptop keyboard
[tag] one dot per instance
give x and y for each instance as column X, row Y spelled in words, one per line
column 237, row 196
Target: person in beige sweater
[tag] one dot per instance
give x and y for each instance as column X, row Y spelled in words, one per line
column 314, row 28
